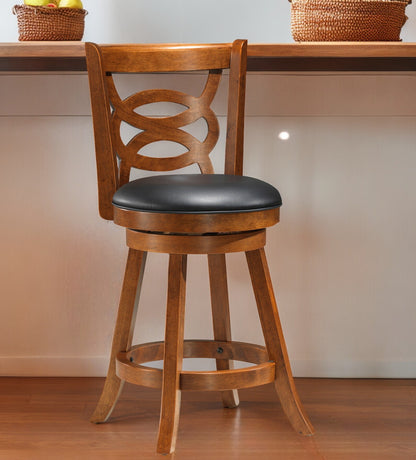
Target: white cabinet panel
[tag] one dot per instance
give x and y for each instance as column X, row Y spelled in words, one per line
column 342, row 256
column 281, row 94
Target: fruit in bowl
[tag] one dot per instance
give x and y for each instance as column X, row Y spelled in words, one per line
column 55, row 3
column 70, row 4
column 39, row 2
column 50, row 20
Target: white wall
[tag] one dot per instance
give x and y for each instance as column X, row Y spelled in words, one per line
column 342, row 258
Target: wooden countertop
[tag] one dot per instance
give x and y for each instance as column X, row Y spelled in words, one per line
column 313, row 56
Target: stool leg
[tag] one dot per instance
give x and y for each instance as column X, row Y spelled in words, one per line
column 173, row 355
column 275, row 342
column 123, row 332
column 221, row 316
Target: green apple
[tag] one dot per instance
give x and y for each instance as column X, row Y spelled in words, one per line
column 70, row 4
column 37, row 2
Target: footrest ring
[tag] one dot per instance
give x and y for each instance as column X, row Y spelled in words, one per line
column 129, row 365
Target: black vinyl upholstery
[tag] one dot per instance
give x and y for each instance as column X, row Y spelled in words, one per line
column 197, row 194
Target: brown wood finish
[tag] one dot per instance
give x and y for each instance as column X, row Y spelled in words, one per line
column 123, row 332
column 163, row 128
column 109, row 110
column 355, row 419
column 196, row 223
column 236, row 104
column 107, row 170
column 138, row 374
column 238, row 351
column 43, row 49
column 130, row 368
column 221, row 316
column 227, row 381
column 196, row 244
column 332, row 56
column 329, row 56
column 333, row 49
column 275, row 342
column 230, row 379
column 180, row 234
column 178, row 57
column 76, row 49
column 173, row 355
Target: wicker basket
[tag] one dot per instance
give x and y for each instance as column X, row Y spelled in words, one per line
column 43, row 23
column 348, row 20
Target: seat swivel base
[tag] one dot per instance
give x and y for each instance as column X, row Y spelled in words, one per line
column 129, row 365
column 196, row 244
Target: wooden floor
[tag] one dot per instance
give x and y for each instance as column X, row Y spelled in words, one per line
column 47, row 419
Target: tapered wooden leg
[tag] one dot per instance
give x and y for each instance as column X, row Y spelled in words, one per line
column 173, row 354
column 221, row 316
column 123, row 332
column 275, row 342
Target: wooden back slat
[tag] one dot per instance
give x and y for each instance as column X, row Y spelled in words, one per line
column 236, row 103
column 110, row 110
column 107, row 171
column 165, row 58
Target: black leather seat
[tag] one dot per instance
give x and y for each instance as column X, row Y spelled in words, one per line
column 193, row 193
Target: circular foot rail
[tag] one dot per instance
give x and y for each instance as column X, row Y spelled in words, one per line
column 130, row 366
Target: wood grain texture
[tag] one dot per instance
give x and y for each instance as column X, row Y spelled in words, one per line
column 130, row 366
column 123, row 333
column 173, row 355
column 168, row 128
column 178, row 234
column 275, row 342
column 236, row 109
column 376, row 56
column 336, row 49
column 333, row 49
column 138, row 374
column 196, row 244
column 110, row 110
column 196, row 223
column 170, row 57
column 194, row 348
column 107, row 170
column 51, row 49
column 47, row 418
column 228, row 380
column 220, row 307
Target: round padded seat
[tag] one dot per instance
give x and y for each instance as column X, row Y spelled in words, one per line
column 195, row 203
column 196, row 193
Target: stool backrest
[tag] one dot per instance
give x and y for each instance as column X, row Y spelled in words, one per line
column 115, row 158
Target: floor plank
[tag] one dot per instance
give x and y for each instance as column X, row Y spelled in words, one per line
column 47, row 418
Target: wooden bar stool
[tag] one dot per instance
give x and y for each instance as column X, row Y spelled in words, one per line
column 181, row 214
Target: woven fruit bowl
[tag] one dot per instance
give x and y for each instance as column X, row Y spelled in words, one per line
column 347, row 20
column 43, row 23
